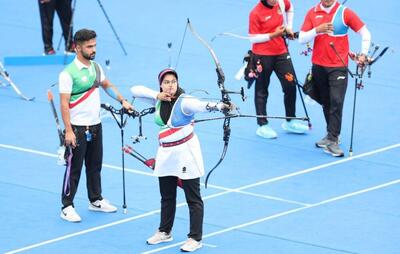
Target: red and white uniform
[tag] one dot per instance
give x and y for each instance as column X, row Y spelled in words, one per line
column 264, row 20
column 342, row 19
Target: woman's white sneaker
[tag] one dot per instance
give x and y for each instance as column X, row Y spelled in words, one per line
column 69, row 214
column 191, row 245
column 160, row 237
column 102, row 206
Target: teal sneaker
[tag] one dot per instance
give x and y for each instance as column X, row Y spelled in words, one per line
column 266, row 131
column 295, row 126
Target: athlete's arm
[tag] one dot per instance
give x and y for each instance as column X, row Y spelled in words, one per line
column 365, row 40
column 308, row 36
column 65, row 87
column 145, row 94
column 255, row 35
column 70, row 138
column 113, row 92
column 191, row 105
column 290, row 17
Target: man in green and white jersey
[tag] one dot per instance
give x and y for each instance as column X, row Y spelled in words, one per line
column 79, row 86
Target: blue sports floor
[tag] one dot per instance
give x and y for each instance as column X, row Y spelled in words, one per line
column 281, row 196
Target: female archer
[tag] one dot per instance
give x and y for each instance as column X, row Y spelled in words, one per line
column 179, row 154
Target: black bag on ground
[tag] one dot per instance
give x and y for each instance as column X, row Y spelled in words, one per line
column 310, row 89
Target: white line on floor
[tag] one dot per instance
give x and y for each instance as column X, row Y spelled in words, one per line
column 219, row 194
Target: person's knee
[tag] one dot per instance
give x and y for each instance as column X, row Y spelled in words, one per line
column 289, row 88
column 336, row 101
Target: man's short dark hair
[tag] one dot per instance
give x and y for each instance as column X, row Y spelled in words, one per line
column 84, row 35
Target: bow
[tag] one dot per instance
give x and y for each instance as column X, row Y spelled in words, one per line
column 224, row 94
column 238, row 36
column 239, row 115
column 4, row 74
column 242, row 37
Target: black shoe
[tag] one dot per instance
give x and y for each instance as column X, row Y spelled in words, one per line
column 70, row 50
column 50, row 51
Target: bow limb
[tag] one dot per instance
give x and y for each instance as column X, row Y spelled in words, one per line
column 219, row 161
column 225, row 97
column 220, row 73
column 242, row 37
column 205, row 43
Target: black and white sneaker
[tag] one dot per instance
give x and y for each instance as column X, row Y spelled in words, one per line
column 102, row 206
column 69, row 214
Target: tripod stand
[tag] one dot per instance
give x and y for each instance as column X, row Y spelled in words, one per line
column 126, row 149
column 108, row 20
column 121, row 124
column 112, row 28
column 358, row 81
